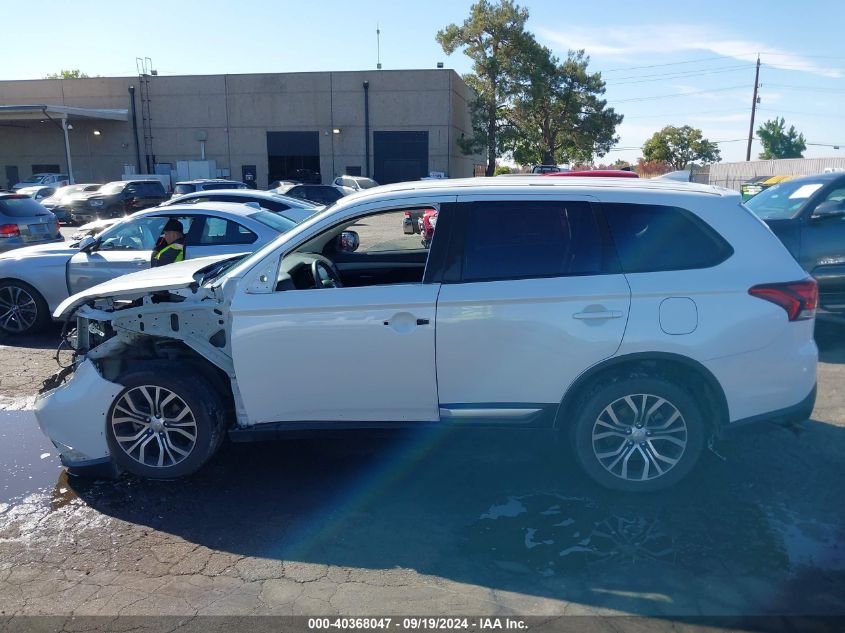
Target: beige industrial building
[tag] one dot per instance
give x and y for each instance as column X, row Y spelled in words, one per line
column 390, row 124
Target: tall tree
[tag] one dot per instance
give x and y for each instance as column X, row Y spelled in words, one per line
column 67, row 74
column 780, row 143
column 558, row 115
column 495, row 39
column 680, row 147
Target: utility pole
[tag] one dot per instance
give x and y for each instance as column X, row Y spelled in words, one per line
column 378, row 47
column 753, row 109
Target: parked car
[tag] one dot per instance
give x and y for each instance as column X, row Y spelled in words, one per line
column 44, row 179
column 61, row 200
column 318, row 194
column 351, row 184
column 547, row 169
column 93, row 228
column 292, row 208
column 751, row 188
column 24, row 222
column 808, row 215
column 205, row 184
column 41, row 277
column 116, row 199
column 38, row 192
column 635, row 319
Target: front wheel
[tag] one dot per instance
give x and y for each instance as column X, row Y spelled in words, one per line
column 164, row 426
column 22, row 308
column 638, row 435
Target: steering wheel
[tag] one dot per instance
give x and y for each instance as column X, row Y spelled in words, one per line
column 333, row 280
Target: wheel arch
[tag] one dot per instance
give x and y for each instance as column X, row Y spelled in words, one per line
column 711, row 399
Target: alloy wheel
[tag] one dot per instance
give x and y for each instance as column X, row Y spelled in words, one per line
column 18, row 310
column 639, row 437
column 154, row 426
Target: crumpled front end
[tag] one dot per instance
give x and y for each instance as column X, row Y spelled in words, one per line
column 73, row 416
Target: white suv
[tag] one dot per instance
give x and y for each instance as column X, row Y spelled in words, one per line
column 636, row 319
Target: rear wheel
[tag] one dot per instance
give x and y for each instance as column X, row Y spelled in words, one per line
column 22, row 308
column 638, row 435
column 164, row 426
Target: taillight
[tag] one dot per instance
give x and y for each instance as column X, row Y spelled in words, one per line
column 799, row 298
column 9, row 230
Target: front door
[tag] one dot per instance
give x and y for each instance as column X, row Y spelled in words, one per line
column 532, row 300
column 823, row 253
column 360, row 353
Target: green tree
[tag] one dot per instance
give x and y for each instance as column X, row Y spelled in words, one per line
column 680, row 146
column 780, row 143
column 67, row 74
column 502, row 169
column 558, row 115
column 495, row 39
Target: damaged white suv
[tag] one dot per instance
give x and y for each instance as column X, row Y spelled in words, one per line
column 636, row 318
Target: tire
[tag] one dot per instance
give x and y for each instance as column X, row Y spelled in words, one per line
column 32, row 311
column 621, row 455
column 176, row 443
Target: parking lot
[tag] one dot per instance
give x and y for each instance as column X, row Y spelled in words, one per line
column 446, row 522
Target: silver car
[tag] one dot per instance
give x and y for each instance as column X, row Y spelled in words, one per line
column 35, row 280
column 293, row 208
column 23, row 222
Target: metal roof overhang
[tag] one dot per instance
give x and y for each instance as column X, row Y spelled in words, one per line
column 37, row 111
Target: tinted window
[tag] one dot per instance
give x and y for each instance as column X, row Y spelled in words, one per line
column 277, row 222
column 24, row 207
column 217, row 231
column 150, row 188
column 220, row 185
column 651, row 238
column 513, row 240
column 321, row 194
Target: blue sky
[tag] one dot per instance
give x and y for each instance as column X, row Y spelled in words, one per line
column 664, row 63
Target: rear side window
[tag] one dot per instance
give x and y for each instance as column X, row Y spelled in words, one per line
column 23, row 207
column 518, row 240
column 218, row 231
column 150, row 188
column 179, row 190
column 652, row 238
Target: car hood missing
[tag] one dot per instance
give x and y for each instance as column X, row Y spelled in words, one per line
column 136, row 285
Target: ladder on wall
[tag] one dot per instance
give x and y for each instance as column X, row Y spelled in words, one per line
column 145, row 73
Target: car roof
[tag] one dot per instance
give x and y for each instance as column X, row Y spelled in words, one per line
column 828, row 177
column 243, row 193
column 197, row 181
column 230, row 208
column 517, row 184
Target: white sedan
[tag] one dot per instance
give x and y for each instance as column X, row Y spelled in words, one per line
column 35, row 280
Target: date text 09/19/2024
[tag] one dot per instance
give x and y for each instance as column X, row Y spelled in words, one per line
column 411, row 623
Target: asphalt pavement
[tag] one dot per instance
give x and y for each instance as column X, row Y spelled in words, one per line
column 445, row 522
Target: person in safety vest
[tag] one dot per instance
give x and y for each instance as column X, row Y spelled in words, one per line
column 170, row 247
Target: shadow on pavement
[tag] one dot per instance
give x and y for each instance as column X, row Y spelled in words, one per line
column 760, row 532
column 830, row 337
column 49, row 338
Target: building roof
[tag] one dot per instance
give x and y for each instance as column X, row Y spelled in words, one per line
column 26, row 112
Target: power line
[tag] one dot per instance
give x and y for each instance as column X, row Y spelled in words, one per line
column 671, row 114
column 811, row 88
column 689, row 61
column 680, row 75
column 677, row 94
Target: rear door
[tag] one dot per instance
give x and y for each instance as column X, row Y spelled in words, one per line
column 823, row 251
column 213, row 235
column 531, row 297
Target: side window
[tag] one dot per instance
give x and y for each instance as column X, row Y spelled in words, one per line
column 836, row 195
column 218, row 232
column 383, row 233
column 520, row 239
column 651, row 238
column 272, row 205
column 134, row 235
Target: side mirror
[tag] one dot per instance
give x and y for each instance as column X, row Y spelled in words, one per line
column 830, row 209
column 347, row 242
column 86, row 243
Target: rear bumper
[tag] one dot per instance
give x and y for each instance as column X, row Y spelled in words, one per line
column 795, row 413
column 11, row 243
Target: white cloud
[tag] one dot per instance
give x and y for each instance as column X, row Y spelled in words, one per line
column 629, row 42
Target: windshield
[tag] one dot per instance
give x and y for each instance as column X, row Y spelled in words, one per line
column 783, row 201
column 273, row 220
column 112, row 187
column 257, row 256
column 63, row 191
column 366, row 183
column 216, row 270
column 35, row 178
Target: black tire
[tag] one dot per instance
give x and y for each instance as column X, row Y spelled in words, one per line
column 641, row 446
column 11, row 288
column 206, row 411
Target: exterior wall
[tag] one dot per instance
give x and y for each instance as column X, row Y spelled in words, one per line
column 236, row 112
column 732, row 175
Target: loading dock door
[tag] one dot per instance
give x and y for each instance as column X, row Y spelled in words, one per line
column 399, row 156
column 289, row 153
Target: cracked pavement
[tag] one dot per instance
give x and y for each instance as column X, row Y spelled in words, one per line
column 444, row 522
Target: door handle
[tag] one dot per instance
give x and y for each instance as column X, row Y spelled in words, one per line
column 598, row 315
